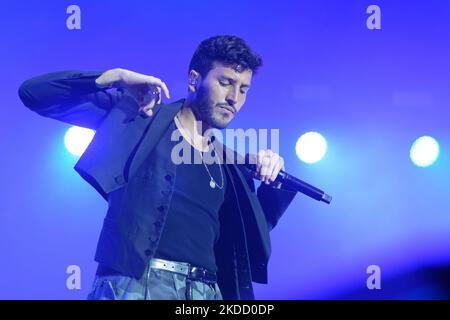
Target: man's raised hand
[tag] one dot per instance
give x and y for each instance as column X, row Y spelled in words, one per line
column 145, row 89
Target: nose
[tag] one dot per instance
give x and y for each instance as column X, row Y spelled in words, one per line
column 232, row 97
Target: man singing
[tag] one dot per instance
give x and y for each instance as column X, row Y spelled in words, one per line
column 172, row 230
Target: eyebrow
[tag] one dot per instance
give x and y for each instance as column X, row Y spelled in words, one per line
column 234, row 81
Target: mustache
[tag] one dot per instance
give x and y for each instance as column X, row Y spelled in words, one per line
column 226, row 105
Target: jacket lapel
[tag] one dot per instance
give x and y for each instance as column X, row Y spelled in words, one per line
column 152, row 134
column 254, row 213
column 122, row 141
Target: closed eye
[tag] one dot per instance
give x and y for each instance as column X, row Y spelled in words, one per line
column 226, row 82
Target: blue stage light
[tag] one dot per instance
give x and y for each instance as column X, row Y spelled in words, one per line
column 424, row 151
column 311, row 147
column 77, row 139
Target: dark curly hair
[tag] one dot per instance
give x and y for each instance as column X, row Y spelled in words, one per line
column 229, row 50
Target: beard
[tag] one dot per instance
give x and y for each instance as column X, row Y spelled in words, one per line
column 207, row 111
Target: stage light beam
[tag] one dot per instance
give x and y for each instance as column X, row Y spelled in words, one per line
column 77, row 139
column 311, row 147
column 424, row 151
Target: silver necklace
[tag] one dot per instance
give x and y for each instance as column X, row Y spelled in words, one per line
column 212, row 182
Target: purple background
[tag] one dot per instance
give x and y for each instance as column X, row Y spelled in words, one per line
column 371, row 93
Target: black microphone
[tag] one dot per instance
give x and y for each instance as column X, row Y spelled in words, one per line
column 296, row 184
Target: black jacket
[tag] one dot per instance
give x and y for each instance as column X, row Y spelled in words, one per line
column 122, row 164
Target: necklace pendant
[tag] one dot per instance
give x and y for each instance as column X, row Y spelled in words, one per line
column 212, row 184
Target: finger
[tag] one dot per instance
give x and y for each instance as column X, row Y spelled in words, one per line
column 266, row 168
column 277, row 167
column 159, row 83
column 166, row 90
column 147, row 112
column 270, row 168
column 268, row 162
column 159, row 95
column 259, row 161
column 149, row 106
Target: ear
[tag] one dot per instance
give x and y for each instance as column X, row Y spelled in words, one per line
column 194, row 80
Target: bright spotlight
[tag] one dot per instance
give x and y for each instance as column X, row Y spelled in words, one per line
column 311, row 147
column 77, row 139
column 424, row 151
